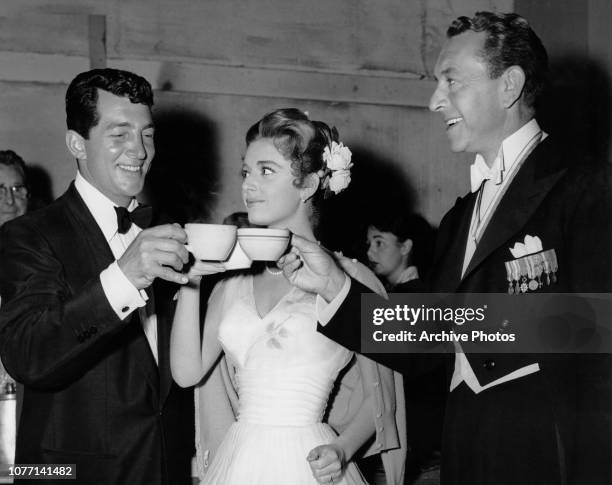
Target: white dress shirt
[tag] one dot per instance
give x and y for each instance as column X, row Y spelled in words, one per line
column 510, row 157
column 122, row 295
column 325, row 311
column 506, row 165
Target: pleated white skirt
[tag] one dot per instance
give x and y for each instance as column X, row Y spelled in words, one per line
column 260, row 454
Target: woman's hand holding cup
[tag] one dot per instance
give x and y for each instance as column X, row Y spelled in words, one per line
column 203, row 268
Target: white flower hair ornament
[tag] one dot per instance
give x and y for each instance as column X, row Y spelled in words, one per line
column 336, row 176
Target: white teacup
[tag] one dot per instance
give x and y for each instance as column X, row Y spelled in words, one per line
column 263, row 244
column 210, row 242
column 238, row 259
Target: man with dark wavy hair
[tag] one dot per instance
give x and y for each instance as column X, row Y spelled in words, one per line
column 519, row 418
column 536, row 220
column 86, row 307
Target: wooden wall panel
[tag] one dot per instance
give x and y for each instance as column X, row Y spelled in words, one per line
column 406, row 145
column 345, row 35
column 396, row 36
column 218, row 66
column 37, row 32
column 578, row 102
column 394, row 149
column 33, row 123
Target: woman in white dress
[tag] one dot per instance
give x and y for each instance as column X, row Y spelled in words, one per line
column 282, row 369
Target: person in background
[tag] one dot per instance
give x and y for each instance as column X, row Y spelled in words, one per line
column 14, row 198
column 14, row 193
column 399, row 252
column 399, row 249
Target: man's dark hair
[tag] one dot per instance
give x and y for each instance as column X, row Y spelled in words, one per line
column 510, row 41
column 11, row 159
column 82, row 95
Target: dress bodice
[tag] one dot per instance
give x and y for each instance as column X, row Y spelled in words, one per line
column 285, row 369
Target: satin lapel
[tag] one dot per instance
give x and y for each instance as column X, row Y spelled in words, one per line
column 453, row 244
column 538, row 175
column 96, row 252
column 164, row 310
column 143, row 357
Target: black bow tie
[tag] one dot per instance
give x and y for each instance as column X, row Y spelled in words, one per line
column 141, row 216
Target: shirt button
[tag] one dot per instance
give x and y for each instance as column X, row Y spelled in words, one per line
column 125, row 309
column 489, row 364
column 379, row 415
column 376, row 384
column 381, row 429
column 378, row 445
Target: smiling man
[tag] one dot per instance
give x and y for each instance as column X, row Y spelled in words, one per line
column 82, row 325
column 519, row 418
column 537, row 219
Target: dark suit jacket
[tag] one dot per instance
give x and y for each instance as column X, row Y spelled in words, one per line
column 93, row 393
column 426, row 381
column 568, row 206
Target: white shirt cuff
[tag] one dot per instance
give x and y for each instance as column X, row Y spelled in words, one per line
column 325, row 311
column 122, row 295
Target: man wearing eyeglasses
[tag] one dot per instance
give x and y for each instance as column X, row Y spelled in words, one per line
column 13, row 187
column 14, row 196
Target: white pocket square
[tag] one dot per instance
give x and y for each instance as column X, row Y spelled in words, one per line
column 532, row 244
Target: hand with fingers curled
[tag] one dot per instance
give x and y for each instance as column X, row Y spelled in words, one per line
column 327, row 463
column 157, row 252
column 310, row 267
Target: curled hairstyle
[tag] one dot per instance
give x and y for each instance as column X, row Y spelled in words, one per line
column 11, row 159
column 407, row 226
column 82, row 95
column 299, row 139
column 510, row 41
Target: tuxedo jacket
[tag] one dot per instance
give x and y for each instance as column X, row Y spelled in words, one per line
column 568, row 206
column 93, row 396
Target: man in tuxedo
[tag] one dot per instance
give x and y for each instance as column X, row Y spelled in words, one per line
column 512, row 418
column 85, row 318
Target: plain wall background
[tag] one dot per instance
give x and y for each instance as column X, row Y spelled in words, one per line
column 218, row 66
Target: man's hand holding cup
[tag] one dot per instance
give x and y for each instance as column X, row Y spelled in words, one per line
column 311, row 268
column 157, row 252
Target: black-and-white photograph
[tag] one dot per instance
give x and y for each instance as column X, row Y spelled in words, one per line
column 272, row 242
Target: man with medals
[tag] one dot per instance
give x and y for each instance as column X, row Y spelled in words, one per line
column 536, row 221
